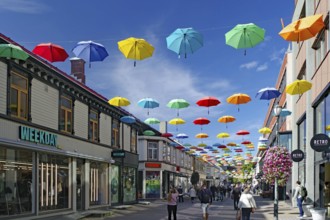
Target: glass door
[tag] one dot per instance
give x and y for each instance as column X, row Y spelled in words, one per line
column 80, row 181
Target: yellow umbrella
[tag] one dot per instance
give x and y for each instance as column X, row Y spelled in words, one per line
column 119, row 101
column 327, row 128
column 238, row 98
column 265, row 130
column 177, row 121
column 303, row 29
column 298, row 87
column 202, row 135
column 202, row 145
column 232, row 144
column 135, row 48
column 223, row 135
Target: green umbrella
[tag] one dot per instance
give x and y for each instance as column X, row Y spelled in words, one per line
column 149, row 133
column 151, row 121
column 177, row 104
column 13, row 51
column 245, row 36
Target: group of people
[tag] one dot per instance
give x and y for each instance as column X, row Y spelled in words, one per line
column 244, row 202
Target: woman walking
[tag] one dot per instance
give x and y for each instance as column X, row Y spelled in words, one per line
column 172, row 203
column 246, row 204
column 192, row 194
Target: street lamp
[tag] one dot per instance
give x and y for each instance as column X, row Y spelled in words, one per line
column 277, row 112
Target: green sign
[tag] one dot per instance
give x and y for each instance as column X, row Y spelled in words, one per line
column 37, row 136
column 118, row 154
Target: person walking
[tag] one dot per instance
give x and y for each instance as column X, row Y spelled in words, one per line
column 222, row 191
column 246, row 204
column 299, row 198
column 213, row 190
column 172, row 203
column 236, row 194
column 192, row 194
column 205, row 196
column 180, row 190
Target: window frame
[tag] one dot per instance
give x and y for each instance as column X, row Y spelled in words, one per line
column 70, row 99
column 19, row 91
column 154, row 147
column 115, row 133
column 95, row 125
column 133, row 140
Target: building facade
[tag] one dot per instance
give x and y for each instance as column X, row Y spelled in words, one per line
column 56, row 142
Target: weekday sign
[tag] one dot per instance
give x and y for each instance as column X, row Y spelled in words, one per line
column 320, row 142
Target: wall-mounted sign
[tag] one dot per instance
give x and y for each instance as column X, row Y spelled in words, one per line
column 37, row 136
column 153, row 165
column 326, row 155
column 297, row 155
column 118, row 154
column 320, row 142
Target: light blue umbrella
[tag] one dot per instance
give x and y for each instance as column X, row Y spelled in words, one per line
column 148, row 103
column 268, row 93
column 285, row 112
column 184, row 40
column 90, row 51
column 128, row 119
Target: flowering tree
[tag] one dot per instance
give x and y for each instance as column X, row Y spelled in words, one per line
column 277, row 164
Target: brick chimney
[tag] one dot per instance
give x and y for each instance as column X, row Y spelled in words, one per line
column 78, row 69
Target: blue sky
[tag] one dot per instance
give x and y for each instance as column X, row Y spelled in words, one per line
column 215, row 70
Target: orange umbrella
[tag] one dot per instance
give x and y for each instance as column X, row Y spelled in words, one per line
column 202, row 135
column 226, row 119
column 238, row 98
column 303, row 29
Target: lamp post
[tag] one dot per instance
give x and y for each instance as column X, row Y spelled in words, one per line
column 277, row 112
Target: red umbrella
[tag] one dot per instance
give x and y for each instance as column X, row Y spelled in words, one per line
column 201, row 121
column 246, row 142
column 51, row 52
column 208, row 101
column 167, row 135
column 243, row 132
column 222, row 146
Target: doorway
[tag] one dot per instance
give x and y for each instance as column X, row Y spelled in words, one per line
column 80, row 184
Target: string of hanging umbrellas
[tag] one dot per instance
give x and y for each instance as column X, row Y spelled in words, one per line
column 182, row 41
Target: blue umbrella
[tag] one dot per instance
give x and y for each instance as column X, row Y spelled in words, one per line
column 268, row 93
column 182, row 136
column 148, row 103
column 184, row 40
column 285, row 112
column 128, row 119
column 90, row 51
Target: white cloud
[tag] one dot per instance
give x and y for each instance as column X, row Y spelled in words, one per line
column 278, row 55
column 22, row 6
column 249, row 65
column 262, row 67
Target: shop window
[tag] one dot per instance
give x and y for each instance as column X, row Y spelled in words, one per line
column 152, row 184
column 114, row 184
column 93, row 126
column 115, row 133
column 152, row 151
column 98, row 183
column 133, row 140
column 18, row 96
column 16, row 185
column 129, row 184
column 54, row 184
column 66, row 114
column 302, row 146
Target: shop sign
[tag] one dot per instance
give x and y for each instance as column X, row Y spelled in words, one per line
column 153, row 165
column 297, row 155
column 177, row 169
column 326, row 155
column 118, row 154
column 320, row 142
column 37, row 136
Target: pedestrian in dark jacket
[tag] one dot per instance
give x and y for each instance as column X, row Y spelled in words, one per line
column 236, row 194
column 180, row 191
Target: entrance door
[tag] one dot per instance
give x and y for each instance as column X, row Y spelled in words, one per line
column 80, row 184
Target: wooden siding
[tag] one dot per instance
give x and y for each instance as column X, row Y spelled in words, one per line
column 105, row 129
column 3, row 88
column 80, row 119
column 127, row 135
column 44, row 104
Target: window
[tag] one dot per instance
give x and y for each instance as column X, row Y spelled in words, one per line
column 66, row 114
column 133, row 140
column 152, row 151
column 320, row 47
column 173, row 152
column 18, row 96
column 115, row 133
column 93, row 126
column 302, row 73
column 98, row 187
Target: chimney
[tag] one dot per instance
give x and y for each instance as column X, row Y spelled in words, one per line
column 78, row 69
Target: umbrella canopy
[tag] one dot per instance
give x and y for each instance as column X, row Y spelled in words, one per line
column 246, row 142
column 298, row 87
column 285, row 112
column 208, row 102
column 51, row 52
column 12, row 51
column 303, row 29
column 242, row 132
column 151, row 121
column 201, row 121
column 177, row 104
column 238, row 98
column 148, row 103
column 268, row 93
column 119, row 101
column 90, row 51
column 226, row 119
column 245, row 36
column 202, row 135
column 128, row 119
column 135, row 48
column 265, row 130
column 184, row 41
column 223, row 135
column 181, row 136
column 167, row 135
column 177, row 121
column 149, row 133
